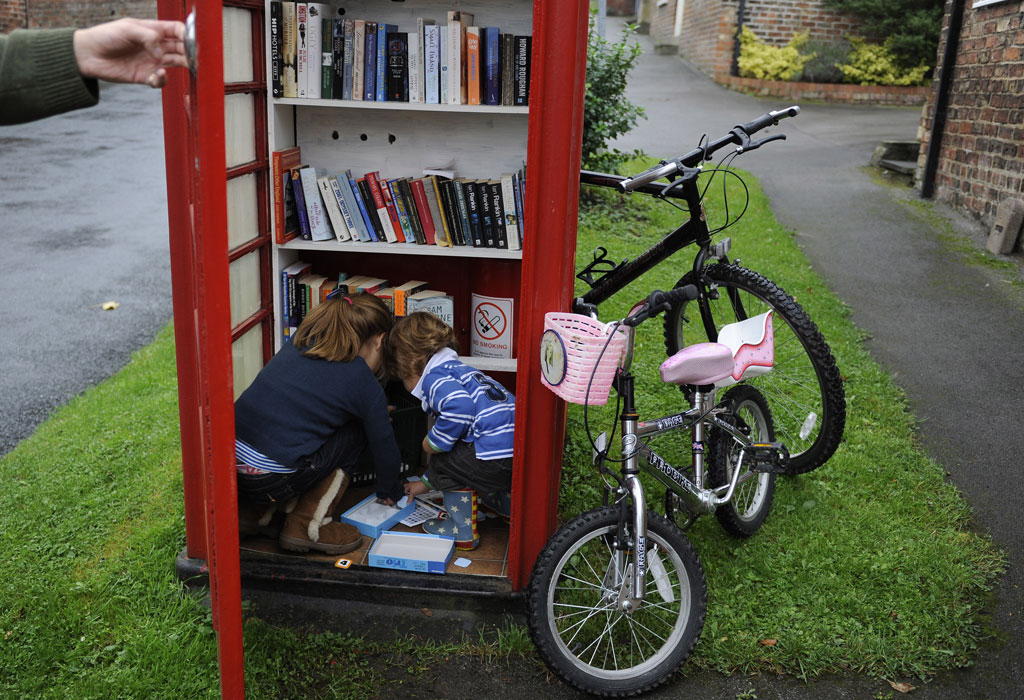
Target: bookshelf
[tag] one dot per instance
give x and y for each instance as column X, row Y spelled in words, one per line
column 401, row 139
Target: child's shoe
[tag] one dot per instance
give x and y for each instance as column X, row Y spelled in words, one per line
column 460, row 524
column 500, row 503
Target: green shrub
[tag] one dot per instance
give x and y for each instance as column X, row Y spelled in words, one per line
column 607, row 114
column 825, row 59
column 910, row 27
column 876, row 64
column 760, row 60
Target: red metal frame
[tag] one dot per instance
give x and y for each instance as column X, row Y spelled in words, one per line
column 196, row 187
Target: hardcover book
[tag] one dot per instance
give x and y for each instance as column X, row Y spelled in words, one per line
column 521, row 92
column 358, row 59
column 491, row 69
column 301, row 49
column 289, row 87
column 286, row 219
column 370, row 64
column 276, row 18
column 319, row 228
column 300, row 202
column 398, row 67
column 473, row 65
column 382, row 60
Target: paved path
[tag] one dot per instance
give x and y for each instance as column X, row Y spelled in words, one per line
column 83, row 209
column 949, row 332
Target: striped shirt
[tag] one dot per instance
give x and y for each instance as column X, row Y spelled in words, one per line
column 468, row 405
column 249, row 460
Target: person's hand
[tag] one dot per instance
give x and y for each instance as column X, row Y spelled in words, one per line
column 386, row 502
column 131, row 50
column 415, row 488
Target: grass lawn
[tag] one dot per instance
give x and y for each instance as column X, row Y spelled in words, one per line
column 866, row 564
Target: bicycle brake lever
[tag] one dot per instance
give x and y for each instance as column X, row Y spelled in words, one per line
column 754, row 145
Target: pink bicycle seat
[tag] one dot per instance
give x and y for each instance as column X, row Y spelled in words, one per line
column 703, row 363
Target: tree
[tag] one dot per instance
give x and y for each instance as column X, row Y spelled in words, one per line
column 910, row 28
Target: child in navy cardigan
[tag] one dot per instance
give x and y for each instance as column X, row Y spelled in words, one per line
column 470, row 441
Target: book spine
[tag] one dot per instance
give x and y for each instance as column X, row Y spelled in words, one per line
column 411, row 210
column 441, row 232
column 350, row 40
column 382, row 60
column 426, row 219
column 293, row 305
column 402, row 211
column 327, row 59
column 382, row 211
column 377, row 229
column 448, row 208
column 398, row 67
column 358, row 59
column 508, row 201
column 319, row 229
column 288, row 78
column 285, row 321
column 337, row 58
column 346, row 213
column 392, row 211
column 454, row 53
column 461, row 211
column 473, row 206
column 362, row 208
column 278, row 180
column 415, row 48
column 521, row 94
column 492, row 67
column 315, row 47
column 442, row 65
column 507, row 51
column 300, row 204
column 473, row 65
column 370, row 67
column 486, row 215
column 276, row 12
column 498, row 214
column 341, row 231
column 302, row 49
column 431, row 63
column 349, row 204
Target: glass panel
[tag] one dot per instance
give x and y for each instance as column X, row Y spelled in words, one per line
column 239, row 129
column 245, row 287
column 247, row 356
column 242, row 220
column 237, row 45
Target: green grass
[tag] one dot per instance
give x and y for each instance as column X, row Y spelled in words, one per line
column 866, row 564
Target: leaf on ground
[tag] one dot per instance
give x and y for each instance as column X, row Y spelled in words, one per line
column 902, row 687
column 426, row 611
column 768, row 642
column 110, row 305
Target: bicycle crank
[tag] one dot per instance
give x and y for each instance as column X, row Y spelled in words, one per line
column 768, row 457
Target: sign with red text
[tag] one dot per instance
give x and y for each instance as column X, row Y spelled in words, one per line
column 492, row 326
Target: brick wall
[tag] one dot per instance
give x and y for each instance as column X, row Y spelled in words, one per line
column 707, row 34
column 663, row 23
column 42, row 14
column 982, row 154
column 776, row 21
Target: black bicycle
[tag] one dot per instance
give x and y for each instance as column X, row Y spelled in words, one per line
column 805, row 391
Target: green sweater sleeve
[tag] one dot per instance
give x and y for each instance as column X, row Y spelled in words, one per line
column 39, row 76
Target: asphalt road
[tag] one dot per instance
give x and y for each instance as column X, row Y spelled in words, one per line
column 83, row 208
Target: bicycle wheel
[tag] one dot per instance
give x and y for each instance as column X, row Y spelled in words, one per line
column 574, row 618
column 804, row 389
column 743, row 515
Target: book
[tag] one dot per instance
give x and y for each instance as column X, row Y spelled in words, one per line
column 387, row 295
column 319, row 228
column 517, row 187
column 507, row 69
column 334, row 215
column 370, row 204
column 347, row 58
column 350, row 285
column 398, row 67
column 276, row 19
column 521, row 91
column 461, row 211
column 490, row 78
column 458, row 21
column 315, row 13
column 432, row 63
column 358, row 59
column 473, row 209
column 370, row 65
column 286, row 220
column 415, row 58
column 382, row 60
column 301, row 49
column 404, row 290
column 347, row 209
column 449, row 209
column 289, row 301
column 402, row 210
column 386, row 231
column 497, row 213
column 442, row 60
column 353, row 198
column 338, row 59
column 408, row 199
column 432, row 302
column 423, row 214
column 473, row 65
column 430, row 192
column 390, row 209
column 327, row 59
column 289, row 86
column 300, row 202
column 369, row 285
column 508, row 201
column 486, row 215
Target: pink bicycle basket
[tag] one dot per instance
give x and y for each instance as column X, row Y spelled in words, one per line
column 571, row 357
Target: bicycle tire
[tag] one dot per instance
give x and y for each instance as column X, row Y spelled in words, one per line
column 803, row 360
column 566, row 578
column 744, row 514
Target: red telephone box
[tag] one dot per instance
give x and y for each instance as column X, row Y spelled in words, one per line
column 215, row 123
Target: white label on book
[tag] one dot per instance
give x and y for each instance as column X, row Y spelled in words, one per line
column 492, row 327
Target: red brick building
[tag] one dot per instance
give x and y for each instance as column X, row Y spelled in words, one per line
column 975, row 157
column 42, row 14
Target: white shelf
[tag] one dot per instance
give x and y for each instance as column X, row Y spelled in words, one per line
column 461, row 251
column 489, row 364
column 404, row 106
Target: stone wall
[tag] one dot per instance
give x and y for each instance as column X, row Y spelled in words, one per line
column 44, row 14
column 982, row 154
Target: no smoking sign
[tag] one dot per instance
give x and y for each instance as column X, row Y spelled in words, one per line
column 492, row 326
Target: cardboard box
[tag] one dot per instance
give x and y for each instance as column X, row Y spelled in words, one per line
column 372, row 518
column 412, row 551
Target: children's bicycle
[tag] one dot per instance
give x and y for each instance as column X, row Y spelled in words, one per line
column 617, row 598
column 805, row 390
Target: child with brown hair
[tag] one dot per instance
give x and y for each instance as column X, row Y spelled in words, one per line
column 470, row 442
column 307, row 417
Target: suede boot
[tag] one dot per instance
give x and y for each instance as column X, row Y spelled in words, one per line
column 461, row 507
column 311, row 524
column 257, row 519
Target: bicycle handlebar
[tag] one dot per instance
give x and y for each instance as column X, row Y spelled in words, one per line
column 739, row 135
column 658, row 301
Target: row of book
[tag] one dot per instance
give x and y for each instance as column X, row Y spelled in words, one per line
column 303, row 290
column 430, row 210
column 317, row 56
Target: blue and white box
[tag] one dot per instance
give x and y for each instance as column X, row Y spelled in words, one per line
column 372, row 518
column 412, row 551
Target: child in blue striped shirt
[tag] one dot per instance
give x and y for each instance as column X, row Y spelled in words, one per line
column 470, row 441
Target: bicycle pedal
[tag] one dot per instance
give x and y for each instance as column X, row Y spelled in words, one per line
column 768, row 457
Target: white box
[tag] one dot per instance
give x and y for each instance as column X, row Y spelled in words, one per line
column 412, row 551
column 372, row 518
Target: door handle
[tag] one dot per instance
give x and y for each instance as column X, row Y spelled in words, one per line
column 191, row 49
